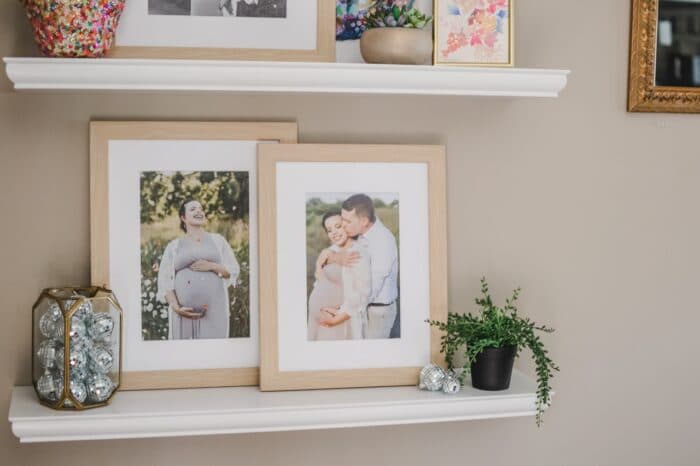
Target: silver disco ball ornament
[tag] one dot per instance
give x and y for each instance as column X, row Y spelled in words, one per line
column 451, row 384
column 54, row 312
column 101, row 327
column 48, row 354
column 99, row 387
column 101, row 359
column 60, row 359
column 81, row 374
column 81, row 344
column 50, row 386
column 78, row 390
column 432, row 377
column 78, row 329
column 51, row 323
column 84, row 312
column 77, row 360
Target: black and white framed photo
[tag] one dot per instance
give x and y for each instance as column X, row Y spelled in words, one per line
column 270, row 30
column 174, row 235
column 224, row 8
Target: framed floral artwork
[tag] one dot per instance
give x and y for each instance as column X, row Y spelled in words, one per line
column 270, row 30
column 474, row 32
column 174, row 234
column 350, row 20
column 353, row 245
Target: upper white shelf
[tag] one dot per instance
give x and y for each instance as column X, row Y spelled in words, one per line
column 172, row 413
column 246, row 76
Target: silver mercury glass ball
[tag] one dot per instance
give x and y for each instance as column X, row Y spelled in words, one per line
column 60, row 359
column 78, row 329
column 78, row 360
column 101, row 326
column 84, row 311
column 99, row 387
column 81, row 344
column 54, row 310
column 451, row 384
column 80, row 374
column 101, row 359
column 431, row 378
column 78, row 390
column 51, row 323
column 48, row 354
column 50, row 386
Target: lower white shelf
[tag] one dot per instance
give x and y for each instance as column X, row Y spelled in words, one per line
column 173, row 413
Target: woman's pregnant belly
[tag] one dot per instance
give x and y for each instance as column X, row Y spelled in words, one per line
column 196, row 289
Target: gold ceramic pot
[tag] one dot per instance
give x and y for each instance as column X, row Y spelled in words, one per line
column 398, row 46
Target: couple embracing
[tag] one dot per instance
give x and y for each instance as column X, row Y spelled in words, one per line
column 356, row 290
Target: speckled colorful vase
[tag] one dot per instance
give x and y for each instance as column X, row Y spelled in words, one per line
column 74, row 28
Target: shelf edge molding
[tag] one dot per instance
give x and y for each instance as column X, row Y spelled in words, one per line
column 245, row 76
column 177, row 413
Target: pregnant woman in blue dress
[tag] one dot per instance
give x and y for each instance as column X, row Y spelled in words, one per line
column 194, row 276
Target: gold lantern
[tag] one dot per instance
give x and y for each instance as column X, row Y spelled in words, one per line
column 76, row 341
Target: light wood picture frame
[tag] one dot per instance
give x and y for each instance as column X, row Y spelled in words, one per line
column 430, row 159
column 324, row 50
column 104, row 134
column 644, row 95
column 483, row 44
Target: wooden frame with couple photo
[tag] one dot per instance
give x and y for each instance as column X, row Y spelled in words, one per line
column 363, row 323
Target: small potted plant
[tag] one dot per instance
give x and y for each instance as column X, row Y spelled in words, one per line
column 396, row 34
column 491, row 340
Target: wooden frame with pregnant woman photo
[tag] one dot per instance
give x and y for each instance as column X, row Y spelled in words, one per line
column 174, row 234
column 354, row 253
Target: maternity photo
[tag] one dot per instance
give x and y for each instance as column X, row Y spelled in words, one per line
column 228, row 8
column 194, row 255
column 352, row 245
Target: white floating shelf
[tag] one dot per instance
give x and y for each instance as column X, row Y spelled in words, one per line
column 247, row 76
column 174, row 413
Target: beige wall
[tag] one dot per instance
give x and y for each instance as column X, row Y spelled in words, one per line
column 593, row 211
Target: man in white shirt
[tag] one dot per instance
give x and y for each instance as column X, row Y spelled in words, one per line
column 359, row 220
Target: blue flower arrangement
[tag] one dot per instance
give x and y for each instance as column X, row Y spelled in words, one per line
column 350, row 20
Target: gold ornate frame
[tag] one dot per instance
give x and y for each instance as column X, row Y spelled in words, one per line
column 644, row 95
column 269, row 155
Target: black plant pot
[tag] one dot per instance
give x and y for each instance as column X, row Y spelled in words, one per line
column 493, row 368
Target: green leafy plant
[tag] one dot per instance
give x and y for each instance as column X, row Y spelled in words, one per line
column 496, row 327
column 395, row 13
